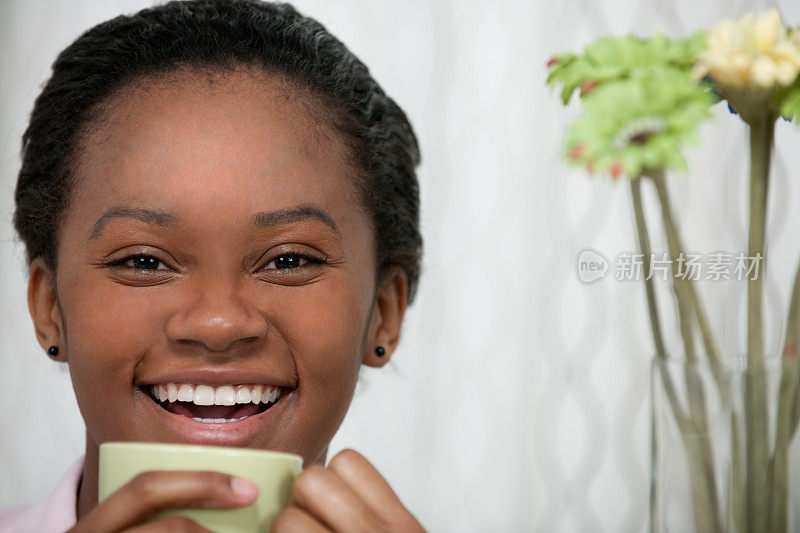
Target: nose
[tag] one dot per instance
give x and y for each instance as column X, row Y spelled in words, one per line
column 216, row 317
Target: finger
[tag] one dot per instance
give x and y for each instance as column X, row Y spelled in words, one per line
column 151, row 492
column 173, row 524
column 327, row 498
column 368, row 484
column 296, row 519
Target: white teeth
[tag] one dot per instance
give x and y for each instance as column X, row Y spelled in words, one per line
column 218, row 420
column 186, row 393
column 208, row 395
column 256, row 396
column 243, row 395
column 225, row 395
column 204, row 395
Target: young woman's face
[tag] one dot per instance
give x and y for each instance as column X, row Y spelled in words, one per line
column 215, row 237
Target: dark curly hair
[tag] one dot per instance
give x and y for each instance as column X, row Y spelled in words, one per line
column 219, row 35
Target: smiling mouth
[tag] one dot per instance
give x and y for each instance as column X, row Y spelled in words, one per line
column 214, row 405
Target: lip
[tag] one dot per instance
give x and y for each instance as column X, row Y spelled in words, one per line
column 238, row 434
column 217, row 377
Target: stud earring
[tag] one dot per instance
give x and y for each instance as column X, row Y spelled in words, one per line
column 380, row 351
column 53, row 351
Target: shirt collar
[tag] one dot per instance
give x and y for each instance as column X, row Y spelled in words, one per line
column 56, row 513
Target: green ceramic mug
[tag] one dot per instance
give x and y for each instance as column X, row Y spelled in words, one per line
column 273, row 472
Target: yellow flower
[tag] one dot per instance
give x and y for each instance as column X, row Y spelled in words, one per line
column 751, row 52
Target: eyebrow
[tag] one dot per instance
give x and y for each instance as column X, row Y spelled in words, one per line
column 264, row 219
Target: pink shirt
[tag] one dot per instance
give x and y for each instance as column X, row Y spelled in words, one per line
column 56, row 514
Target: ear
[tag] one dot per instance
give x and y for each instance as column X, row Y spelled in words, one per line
column 43, row 307
column 391, row 299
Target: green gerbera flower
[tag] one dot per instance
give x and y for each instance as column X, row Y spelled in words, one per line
column 637, row 123
column 616, row 58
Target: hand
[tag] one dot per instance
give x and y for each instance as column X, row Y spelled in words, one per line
column 150, row 492
column 349, row 496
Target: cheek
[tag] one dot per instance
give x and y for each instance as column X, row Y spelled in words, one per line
column 106, row 335
column 323, row 326
column 109, row 320
column 324, row 329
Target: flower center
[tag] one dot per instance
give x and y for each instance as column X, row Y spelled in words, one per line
column 639, row 131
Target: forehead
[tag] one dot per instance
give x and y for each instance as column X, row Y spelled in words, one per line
column 192, row 138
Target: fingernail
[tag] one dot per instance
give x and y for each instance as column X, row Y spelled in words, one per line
column 244, row 488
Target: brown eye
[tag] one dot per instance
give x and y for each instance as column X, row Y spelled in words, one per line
column 289, row 261
column 143, row 262
column 139, row 262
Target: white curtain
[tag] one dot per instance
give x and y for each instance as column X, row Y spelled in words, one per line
column 518, row 400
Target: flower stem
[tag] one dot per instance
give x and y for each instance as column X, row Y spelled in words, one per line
column 700, row 453
column 644, row 249
column 661, row 369
column 791, row 355
column 758, row 508
column 738, row 487
column 687, row 288
column 786, row 424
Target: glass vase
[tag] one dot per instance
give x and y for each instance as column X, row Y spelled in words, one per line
column 725, row 446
